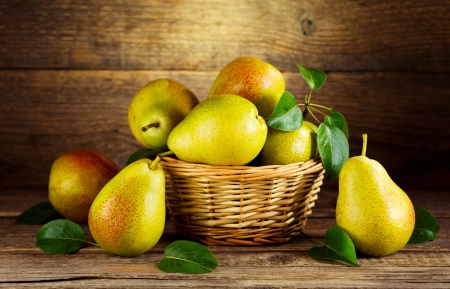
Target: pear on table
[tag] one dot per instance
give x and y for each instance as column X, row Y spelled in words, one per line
column 76, row 178
column 377, row 215
column 128, row 215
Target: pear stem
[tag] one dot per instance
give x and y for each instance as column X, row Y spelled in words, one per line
column 154, row 163
column 145, row 128
column 168, row 153
column 364, row 145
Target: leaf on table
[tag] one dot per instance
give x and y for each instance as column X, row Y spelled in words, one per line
column 145, row 153
column 314, row 77
column 187, row 257
column 60, row 237
column 338, row 247
column 333, row 149
column 38, row 214
column 337, row 119
column 287, row 116
column 426, row 227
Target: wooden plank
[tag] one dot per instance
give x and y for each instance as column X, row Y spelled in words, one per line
column 144, row 267
column 330, row 35
column 282, row 266
column 45, row 113
column 20, row 240
column 145, row 283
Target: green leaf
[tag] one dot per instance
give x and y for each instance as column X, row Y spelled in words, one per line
column 425, row 228
column 187, row 257
column 337, row 119
column 286, row 116
column 338, row 247
column 314, row 77
column 333, row 149
column 145, row 153
column 60, row 237
column 38, row 214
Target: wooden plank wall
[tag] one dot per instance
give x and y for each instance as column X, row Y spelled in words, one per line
column 69, row 68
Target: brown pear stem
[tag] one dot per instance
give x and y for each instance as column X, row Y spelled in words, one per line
column 154, row 163
column 145, row 128
column 305, row 111
column 364, row 145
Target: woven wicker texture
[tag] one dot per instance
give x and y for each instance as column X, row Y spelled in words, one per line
column 241, row 205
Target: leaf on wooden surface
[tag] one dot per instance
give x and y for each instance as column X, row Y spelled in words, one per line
column 337, row 119
column 425, row 228
column 333, row 149
column 60, row 237
column 338, row 247
column 287, row 116
column 187, row 257
column 314, row 77
column 145, row 153
column 39, row 214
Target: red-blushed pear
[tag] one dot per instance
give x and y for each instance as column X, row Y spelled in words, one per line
column 127, row 217
column 253, row 79
column 377, row 215
column 76, row 178
column 157, row 108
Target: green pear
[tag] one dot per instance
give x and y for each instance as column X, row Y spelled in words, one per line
column 157, row 108
column 76, row 178
column 377, row 215
column 287, row 147
column 222, row 130
column 127, row 217
column 253, row 79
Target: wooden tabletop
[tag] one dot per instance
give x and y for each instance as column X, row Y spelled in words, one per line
column 283, row 266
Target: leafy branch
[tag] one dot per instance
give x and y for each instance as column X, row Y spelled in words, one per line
column 332, row 137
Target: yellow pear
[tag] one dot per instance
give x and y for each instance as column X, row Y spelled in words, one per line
column 222, row 130
column 127, row 217
column 287, row 147
column 377, row 215
column 253, row 79
column 157, row 108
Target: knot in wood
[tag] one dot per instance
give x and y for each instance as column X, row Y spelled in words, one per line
column 307, row 24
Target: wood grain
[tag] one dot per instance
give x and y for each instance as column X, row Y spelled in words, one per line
column 45, row 113
column 177, row 35
column 281, row 266
column 426, row 265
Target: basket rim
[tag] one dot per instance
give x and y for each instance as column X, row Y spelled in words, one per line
column 247, row 173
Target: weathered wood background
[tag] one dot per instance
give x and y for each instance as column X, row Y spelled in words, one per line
column 68, row 70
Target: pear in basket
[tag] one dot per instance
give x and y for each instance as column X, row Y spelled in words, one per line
column 222, row 130
column 253, row 79
column 287, row 147
column 157, row 108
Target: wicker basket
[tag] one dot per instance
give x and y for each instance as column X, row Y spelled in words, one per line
column 241, row 205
